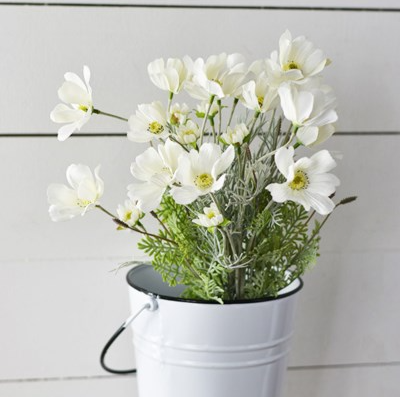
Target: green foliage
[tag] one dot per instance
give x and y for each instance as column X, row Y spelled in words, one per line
column 259, row 249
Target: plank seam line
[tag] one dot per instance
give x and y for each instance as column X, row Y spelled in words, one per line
column 292, row 368
column 217, row 7
column 123, row 134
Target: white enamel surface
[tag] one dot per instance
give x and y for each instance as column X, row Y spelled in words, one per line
column 200, row 349
column 58, row 301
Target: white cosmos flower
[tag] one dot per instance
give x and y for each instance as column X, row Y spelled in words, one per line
column 188, row 133
column 274, row 74
column 155, row 169
column 78, row 95
column 307, row 180
column 210, row 218
column 203, row 106
column 312, row 136
column 235, row 135
column 129, row 212
column 220, row 75
column 82, row 195
column 149, row 122
column 305, row 106
column 299, row 55
column 179, row 113
column 199, row 172
column 170, row 76
column 257, row 95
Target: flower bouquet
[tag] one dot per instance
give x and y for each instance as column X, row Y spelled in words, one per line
column 239, row 208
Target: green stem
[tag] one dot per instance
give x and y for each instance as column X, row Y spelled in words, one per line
column 211, row 120
column 204, row 122
column 97, row 111
column 121, row 223
column 235, row 102
column 153, row 213
column 170, row 101
column 219, row 117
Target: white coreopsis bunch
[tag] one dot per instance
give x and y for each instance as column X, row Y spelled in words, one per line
column 129, row 213
column 219, row 76
column 298, row 57
column 155, row 169
column 148, row 123
column 78, row 95
column 201, row 172
column 169, row 76
column 235, row 136
column 188, row 133
column 83, row 194
column 224, row 190
column 178, row 113
column 307, row 180
column 258, row 95
column 309, row 110
column 210, row 218
column 202, row 109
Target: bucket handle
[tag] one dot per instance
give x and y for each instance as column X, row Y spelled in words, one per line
column 152, row 305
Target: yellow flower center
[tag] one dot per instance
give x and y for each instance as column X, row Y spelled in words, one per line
column 260, row 101
column 83, row 203
column 174, row 119
column 217, row 81
column 155, row 128
column 210, row 215
column 291, row 65
column 83, row 108
column 204, row 181
column 300, row 181
column 127, row 215
column 188, row 132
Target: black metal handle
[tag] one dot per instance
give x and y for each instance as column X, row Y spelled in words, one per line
column 152, row 305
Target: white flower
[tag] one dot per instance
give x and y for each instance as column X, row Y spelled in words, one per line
column 210, row 218
column 169, row 77
column 273, row 72
column 305, row 106
column 299, row 54
column 312, row 136
column 149, row 122
column 198, row 172
column 78, row 95
column 179, row 113
column 84, row 193
column 203, row 106
column 257, row 95
column 235, row 135
column 188, row 133
column 129, row 212
column 221, row 75
column 307, row 181
column 156, row 171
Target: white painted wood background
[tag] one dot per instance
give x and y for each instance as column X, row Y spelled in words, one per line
column 59, row 302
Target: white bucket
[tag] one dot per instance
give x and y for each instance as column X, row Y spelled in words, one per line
column 190, row 349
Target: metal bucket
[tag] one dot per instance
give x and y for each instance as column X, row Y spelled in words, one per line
column 200, row 349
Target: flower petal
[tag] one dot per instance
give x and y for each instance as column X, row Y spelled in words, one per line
column 224, row 162
column 322, row 204
column 76, row 173
column 284, row 160
column 184, row 195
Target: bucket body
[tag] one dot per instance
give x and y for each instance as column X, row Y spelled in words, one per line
column 189, row 349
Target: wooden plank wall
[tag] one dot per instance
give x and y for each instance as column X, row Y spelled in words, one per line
column 59, row 302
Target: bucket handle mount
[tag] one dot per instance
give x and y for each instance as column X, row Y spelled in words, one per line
column 151, row 306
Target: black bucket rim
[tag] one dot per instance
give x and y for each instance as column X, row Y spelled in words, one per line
column 208, row 302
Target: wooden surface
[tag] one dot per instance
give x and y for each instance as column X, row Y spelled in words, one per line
column 59, row 300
